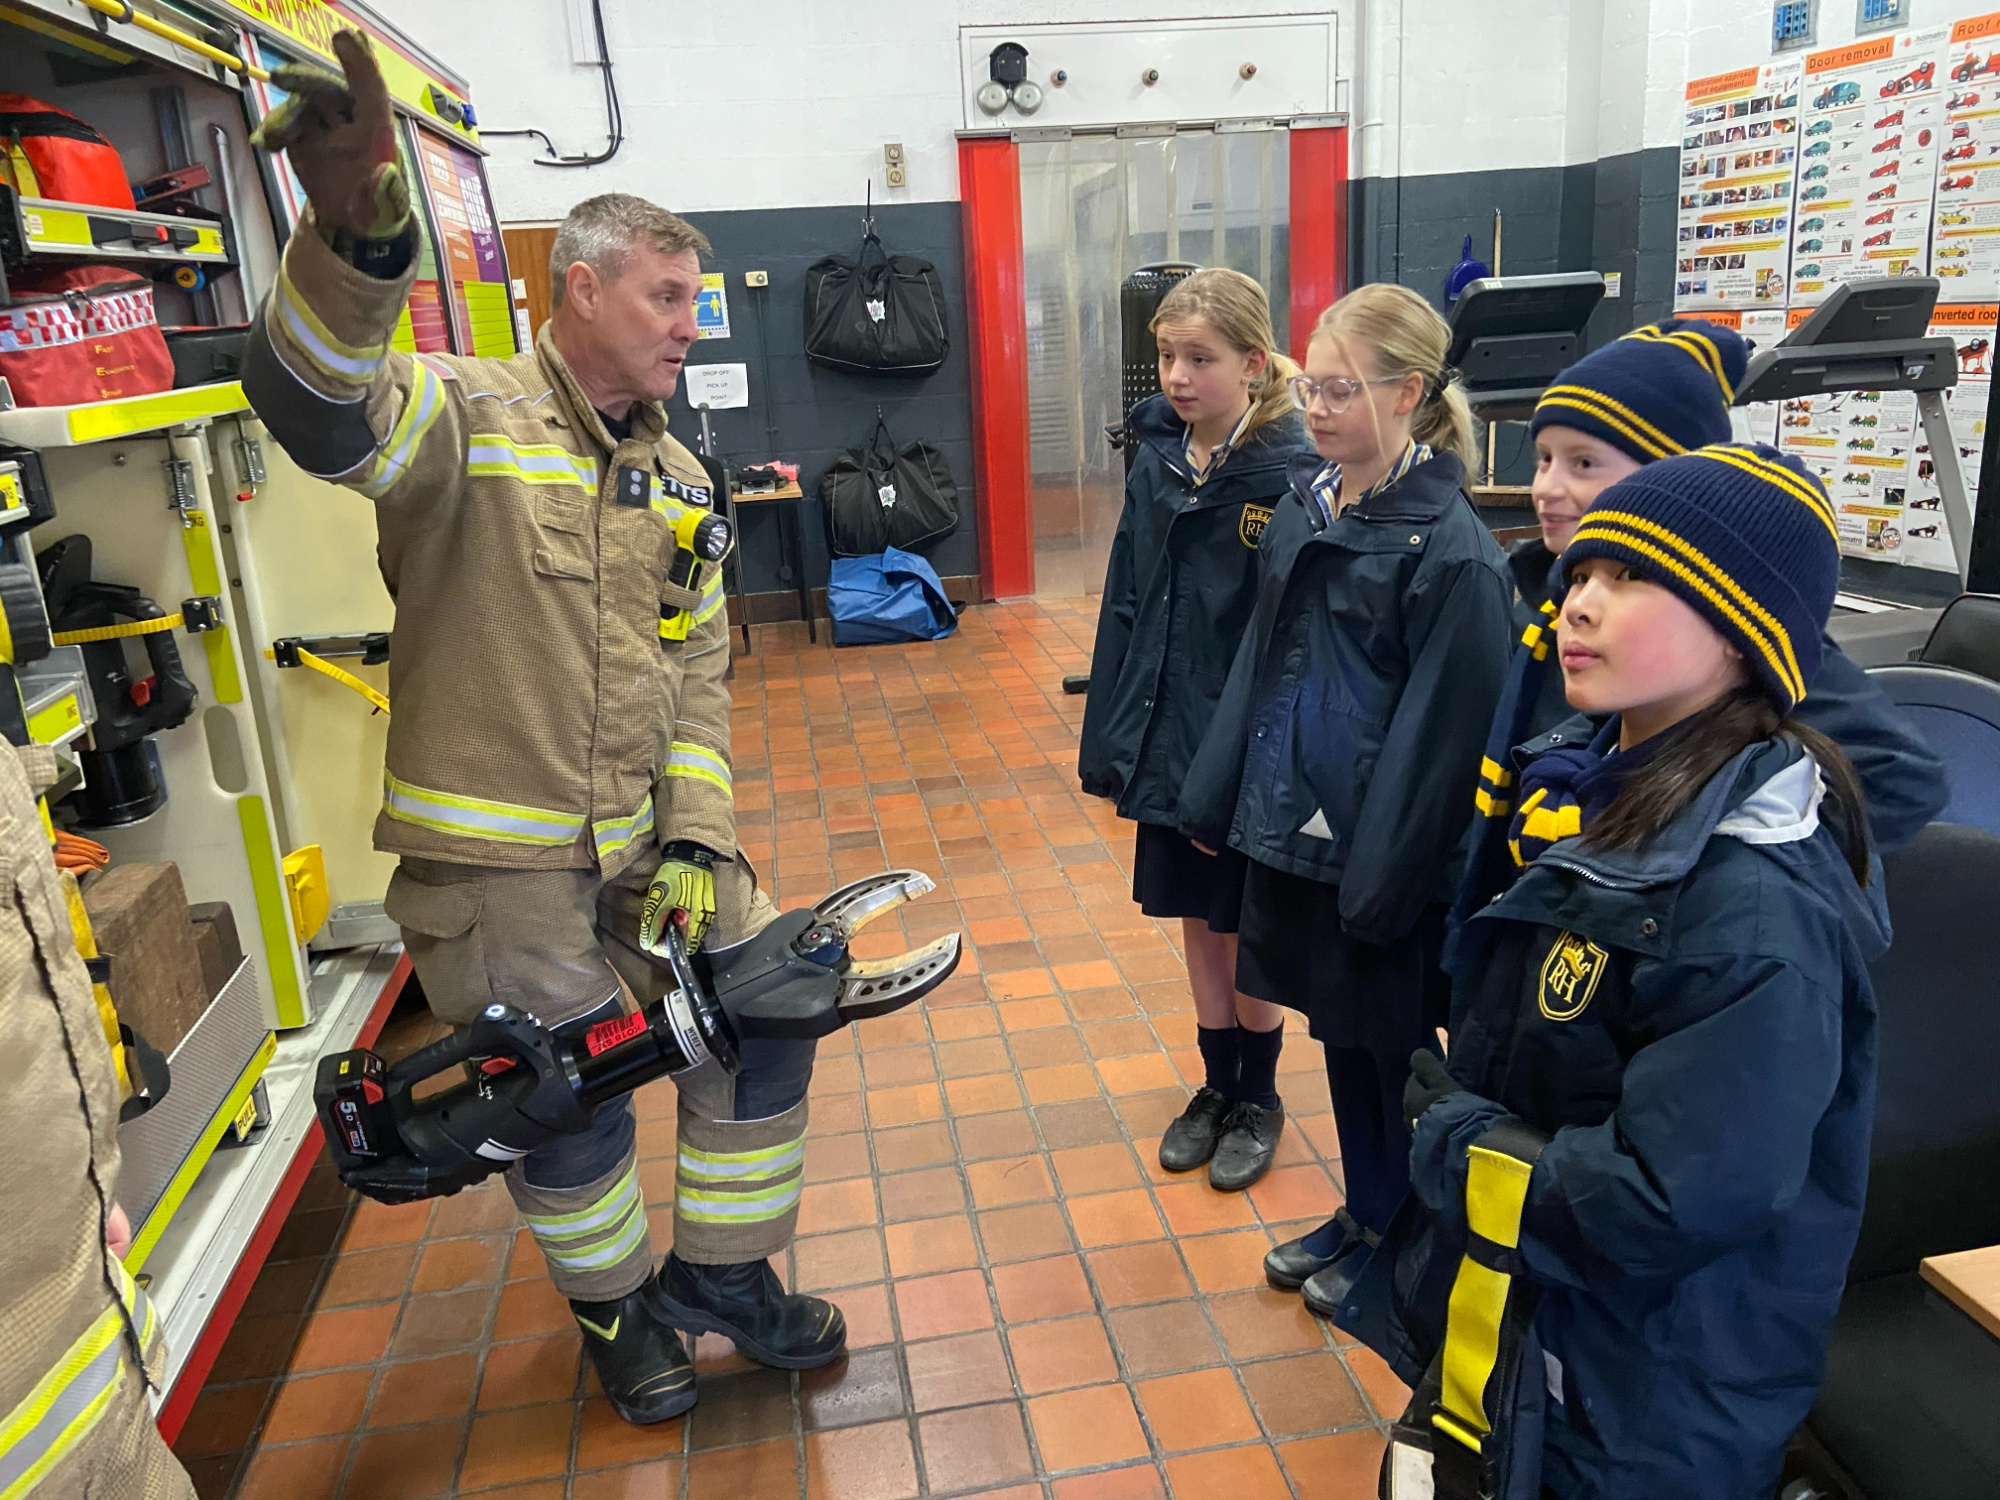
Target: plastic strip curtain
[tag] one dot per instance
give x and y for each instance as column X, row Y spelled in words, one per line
column 1094, row 209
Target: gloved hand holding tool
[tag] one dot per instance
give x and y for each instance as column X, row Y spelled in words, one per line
column 684, row 886
column 525, row 1085
column 340, row 134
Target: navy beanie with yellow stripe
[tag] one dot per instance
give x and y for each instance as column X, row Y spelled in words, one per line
column 1745, row 535
column 1659, row 391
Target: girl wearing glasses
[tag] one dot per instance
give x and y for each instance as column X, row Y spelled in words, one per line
column 1213, row 451
column 1343, row 754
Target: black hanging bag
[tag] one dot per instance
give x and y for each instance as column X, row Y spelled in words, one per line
column 878, row 314
column 878, row 496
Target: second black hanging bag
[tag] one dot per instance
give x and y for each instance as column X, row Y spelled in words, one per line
column 882, row 496
column 878, row 314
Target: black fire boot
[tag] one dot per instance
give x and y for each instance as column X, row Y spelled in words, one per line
column 639, row 1356
column 747, row 1304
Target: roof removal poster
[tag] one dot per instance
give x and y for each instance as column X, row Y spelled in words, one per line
column 1739, row 142
column 1965, row 253
column 1868, row 158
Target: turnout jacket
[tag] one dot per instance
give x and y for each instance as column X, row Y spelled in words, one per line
column 1692, row 1028
column 1348, row 735
column 544, row 714
column 1178, row 593
column 79, row 1341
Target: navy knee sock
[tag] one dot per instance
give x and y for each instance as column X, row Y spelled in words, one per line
column 1221, row 1056
column 1257, row 1083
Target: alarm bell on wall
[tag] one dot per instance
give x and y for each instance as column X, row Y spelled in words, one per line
column 1008, row 81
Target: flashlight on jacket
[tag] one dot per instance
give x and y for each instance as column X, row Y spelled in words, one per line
column 699, row 537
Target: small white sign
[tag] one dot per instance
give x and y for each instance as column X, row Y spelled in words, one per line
column 718, row 387
column 1614, row 283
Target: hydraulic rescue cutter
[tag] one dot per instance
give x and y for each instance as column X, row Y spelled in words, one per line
column 526, row 1084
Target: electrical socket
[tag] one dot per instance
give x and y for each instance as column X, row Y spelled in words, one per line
column 756, row 278
column 897, row 177
column 893, row 153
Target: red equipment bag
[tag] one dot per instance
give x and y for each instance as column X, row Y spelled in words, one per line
column 87, row 333
column 47, row 152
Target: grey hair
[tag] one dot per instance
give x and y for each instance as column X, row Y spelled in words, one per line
column 602, row 231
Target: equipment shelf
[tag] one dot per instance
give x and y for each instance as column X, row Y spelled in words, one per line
column 102, row 421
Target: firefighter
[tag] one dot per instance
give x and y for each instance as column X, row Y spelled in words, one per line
column 558, row 777
column 82, row 1347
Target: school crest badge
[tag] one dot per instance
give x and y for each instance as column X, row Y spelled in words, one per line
column 1251, row 527
column 1570, row 975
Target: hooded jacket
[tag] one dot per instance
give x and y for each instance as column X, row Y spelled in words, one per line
column 1693, row 1028
column 1178, row 593
column 1348, row 736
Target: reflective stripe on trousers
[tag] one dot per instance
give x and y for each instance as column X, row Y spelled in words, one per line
column 67, row 1403
column 598, row 1235
column 740, row 1187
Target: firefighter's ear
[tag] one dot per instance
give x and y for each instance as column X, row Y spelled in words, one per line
column 583, row 291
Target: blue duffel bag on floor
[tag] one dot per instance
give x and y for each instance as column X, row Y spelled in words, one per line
column 890, row 596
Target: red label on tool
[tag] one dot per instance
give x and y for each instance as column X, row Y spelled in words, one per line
column 605, row 1035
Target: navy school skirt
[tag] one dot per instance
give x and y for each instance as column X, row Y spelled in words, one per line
column 1172, row 878
column 1387, row 997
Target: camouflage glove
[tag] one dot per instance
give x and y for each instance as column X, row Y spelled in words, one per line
column 341, row 136
column 683, row 886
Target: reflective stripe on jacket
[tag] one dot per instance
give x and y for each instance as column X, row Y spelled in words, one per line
column 78, row 1339
column 558, row 701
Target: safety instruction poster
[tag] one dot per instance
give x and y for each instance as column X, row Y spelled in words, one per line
column 1867, row 163
column 1761, row 327
column 1965, row 251
column 1862, row 446
column 1739, row 144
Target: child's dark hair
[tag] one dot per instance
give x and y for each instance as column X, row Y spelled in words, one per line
column 1695, row 749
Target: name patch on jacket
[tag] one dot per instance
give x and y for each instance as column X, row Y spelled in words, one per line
column 1251, row 527
column 1570, row 975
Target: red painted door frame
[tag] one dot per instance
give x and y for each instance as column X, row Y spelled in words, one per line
column 1318, row 226
column 996, row 308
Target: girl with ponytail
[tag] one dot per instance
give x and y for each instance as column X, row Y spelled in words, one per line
column 1342, row 758
column 1214, row 448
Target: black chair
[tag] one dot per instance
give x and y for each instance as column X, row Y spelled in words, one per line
column 1910, row 1409
column 1967, row 636
column 1958, row 713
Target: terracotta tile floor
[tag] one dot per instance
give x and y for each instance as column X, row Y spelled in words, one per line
column 1036, row 1311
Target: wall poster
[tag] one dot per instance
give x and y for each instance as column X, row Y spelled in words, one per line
column 1966, row 246
column 1867, row 162
column 1739, row 144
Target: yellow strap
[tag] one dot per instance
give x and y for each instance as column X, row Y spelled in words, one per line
column 345, row 679
column 118, row 632
column 1496, row 1191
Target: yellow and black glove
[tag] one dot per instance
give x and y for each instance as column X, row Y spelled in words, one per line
column 340, row 134
column 683, row 886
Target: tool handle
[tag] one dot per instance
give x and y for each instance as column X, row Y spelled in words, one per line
column 491, row 1035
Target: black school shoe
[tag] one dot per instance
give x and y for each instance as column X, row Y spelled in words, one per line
column 1190, row 1140
column 749, row 1306
column 1249, row 1141
column 1291, row 1265
column 1327, row 1288
column 639, row 1357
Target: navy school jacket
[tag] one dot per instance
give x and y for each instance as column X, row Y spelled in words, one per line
column 1348, row 738
column 1694, row 1028
column 1179, row 590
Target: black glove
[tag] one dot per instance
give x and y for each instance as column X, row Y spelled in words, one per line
column 1429, row 1082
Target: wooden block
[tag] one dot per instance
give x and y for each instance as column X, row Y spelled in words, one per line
column 216, row 942
column 139, row 914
